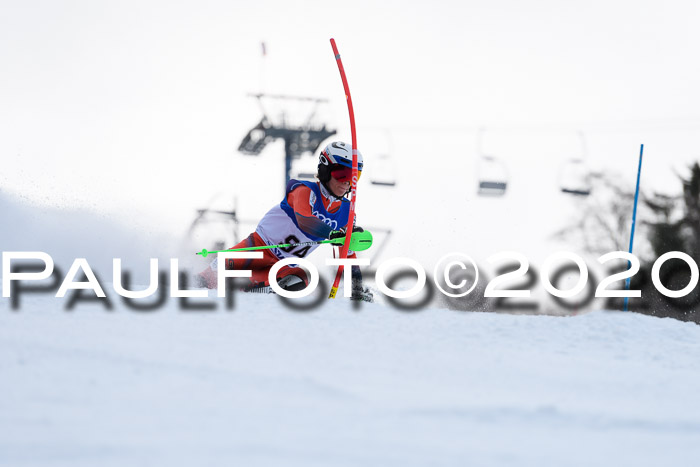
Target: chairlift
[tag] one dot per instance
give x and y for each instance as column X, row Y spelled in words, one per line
column 492, row 173
column 215, row 226
column 382, row 170
column 575, row 176
column 300, row 135
column 493, row 176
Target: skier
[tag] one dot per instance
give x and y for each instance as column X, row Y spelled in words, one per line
column 310, row 211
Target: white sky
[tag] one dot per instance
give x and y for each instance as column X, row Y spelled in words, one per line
column 136, row 108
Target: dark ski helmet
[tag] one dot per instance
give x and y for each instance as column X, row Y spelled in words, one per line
column 335, row 159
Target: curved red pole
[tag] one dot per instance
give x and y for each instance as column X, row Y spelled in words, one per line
column 353, row 188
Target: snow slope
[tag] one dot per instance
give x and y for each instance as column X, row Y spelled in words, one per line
column 263, row 385
column 67, row 233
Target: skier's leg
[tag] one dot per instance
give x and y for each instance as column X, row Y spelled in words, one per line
column 292, row 278
column 208, row 277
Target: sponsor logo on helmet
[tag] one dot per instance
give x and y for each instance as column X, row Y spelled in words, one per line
column 338, row 145
column 323, row 159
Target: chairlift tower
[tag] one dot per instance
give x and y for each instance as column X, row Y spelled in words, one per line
column 299, row 138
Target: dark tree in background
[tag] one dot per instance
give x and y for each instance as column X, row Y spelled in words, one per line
column 677, row 223
column 602, row 223
column 676, row 227
column 664, row 232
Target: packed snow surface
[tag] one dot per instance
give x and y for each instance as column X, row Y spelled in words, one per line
column 264, row 385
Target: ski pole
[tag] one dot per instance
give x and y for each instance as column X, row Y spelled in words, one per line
column 360, row 241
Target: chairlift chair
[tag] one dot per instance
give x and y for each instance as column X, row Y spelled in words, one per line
column 383, row 171
column 574, row 177
column 493, row 176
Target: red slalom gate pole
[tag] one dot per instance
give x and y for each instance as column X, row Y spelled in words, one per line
column 353, row 187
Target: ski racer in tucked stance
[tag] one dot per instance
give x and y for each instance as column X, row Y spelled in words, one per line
column 310, row 211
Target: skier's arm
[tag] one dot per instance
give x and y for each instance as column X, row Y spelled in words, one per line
column 300, row 200
column 340, row 234
column 359, row 290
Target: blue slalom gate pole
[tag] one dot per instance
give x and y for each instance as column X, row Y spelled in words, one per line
column 634, row 222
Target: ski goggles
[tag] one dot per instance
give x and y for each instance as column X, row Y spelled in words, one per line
column 344, row 174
